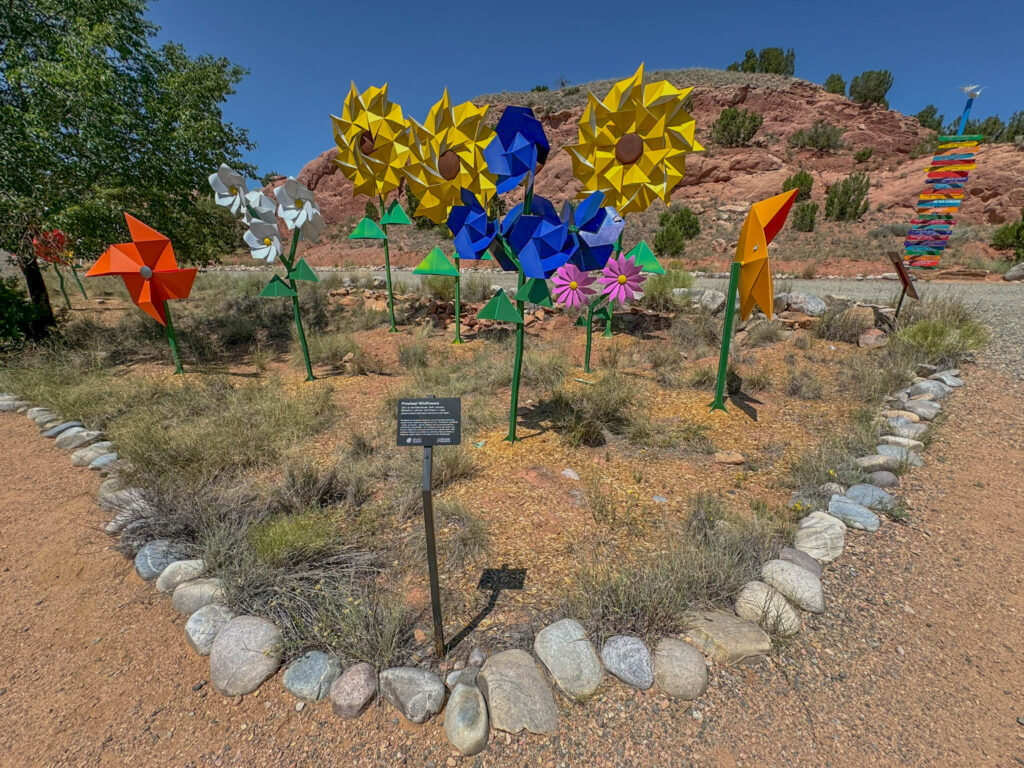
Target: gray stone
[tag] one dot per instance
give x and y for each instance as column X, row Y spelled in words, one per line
column 83, row 457
column 477, row 658
column 465, row 720
column 951, row 378
column 193, row 595
column 913, row 431
column 1015, row 272
column 796, row 584
column 854, row 515
column 570, row 473
column 902, row 442
column 871, row 497
column 353, row 691
column 761, row 604
column 245, row 653
column 416, row 693
column 517, row 695
column 466, row 676
column 12, row 406
column 879, row 462
column 41, row 415
column 924, row 409
column 62, row 427
column 628, row 658
column 179, row 572
column 807, row 303
column 154, row 557
column 713, row 301
column 830, row 489
column 801, row 558
column 902, row 456
column 311, row 676
column 76, row 437
column 728, row 639
column 680, row 669
column 564, row 649
column 936, row 389
column 821, row 536
column 102, row 462
column 884, row 479
column 124, row 500
column 204, row 625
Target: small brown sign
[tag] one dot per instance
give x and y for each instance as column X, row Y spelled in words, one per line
column 901, row 271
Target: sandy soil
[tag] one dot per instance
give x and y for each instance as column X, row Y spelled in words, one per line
column 919, row 660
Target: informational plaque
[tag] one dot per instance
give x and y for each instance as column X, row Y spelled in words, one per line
column 901, row 272
column 430, row 421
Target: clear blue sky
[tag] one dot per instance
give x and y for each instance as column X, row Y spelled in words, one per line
column 303, row 55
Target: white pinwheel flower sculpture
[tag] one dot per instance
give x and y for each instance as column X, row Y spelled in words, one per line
column 263, row 240
column 260, row 206
column 314, row 227
column 295, row 204
column 229, row 189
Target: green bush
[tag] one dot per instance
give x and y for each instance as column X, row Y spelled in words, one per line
column 1010, row 236
column 930, row 118
column 540, row 89
column 16, row 312
column 939, row 342
column 871, row 86
column 801, row 180
column 834, row 83
column 735, row 127
column 822, row 136
column 773, row 61
column 848, row 200
column 863, row 155
column 677, row 226
column 991, row 128
column 804, row 215
column 290, row 539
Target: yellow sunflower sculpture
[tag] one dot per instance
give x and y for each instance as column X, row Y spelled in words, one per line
column 447, row 156
column 632, row 145
column 373, row 141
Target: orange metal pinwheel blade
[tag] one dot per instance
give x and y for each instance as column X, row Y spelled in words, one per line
column 154, row 248
column 756, row 287
column 771, row 213
column 145, row 297
column 176, row 284
column 118, row 259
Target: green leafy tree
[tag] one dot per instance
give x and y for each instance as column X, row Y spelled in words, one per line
column 735, row 127
column 770, row 60
column 991, row 128
column 930, row 118
column 834, row 83
column 1010, row 237
column 871, row 86
column 821, row 136
column 802, row 181
column 848, row 200
column 1014, row 128
column 94, row 121
column 677, row 226
column 804, row 215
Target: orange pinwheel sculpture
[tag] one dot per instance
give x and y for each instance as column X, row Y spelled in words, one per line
column 150, row 273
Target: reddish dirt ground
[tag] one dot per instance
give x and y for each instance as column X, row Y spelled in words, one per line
column 919, row 660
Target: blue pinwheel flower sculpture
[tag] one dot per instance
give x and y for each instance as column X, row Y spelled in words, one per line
column 472, row 231
column 596, row 229
column 540, row 239
column 518, row 148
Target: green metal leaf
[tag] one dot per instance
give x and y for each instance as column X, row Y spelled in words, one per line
column 277, row 287
column 302, row 271
column 535, row 291
column 644, row 258
column 501, row 309
column 395, row 214
column 367, row 229
column 604, row 313
column 436, row 263
column 581, row 321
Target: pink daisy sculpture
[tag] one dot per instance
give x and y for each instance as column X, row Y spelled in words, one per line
column 572, row 286
column 621, row 279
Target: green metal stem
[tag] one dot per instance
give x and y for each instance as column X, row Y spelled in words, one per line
column 74, row 271
column 517, row 366
column 458, row 304
column 387, row 268
column 60, row 281
column 288, row 263
column 608, row 325
column 590, row 325
column 718, row 404
column 172, row 338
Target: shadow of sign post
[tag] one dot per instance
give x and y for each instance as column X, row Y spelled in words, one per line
column 496, row 580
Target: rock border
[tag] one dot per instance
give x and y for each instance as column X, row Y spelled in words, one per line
column 516, row 689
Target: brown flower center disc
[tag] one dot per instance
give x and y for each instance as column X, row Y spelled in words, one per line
column 629, row 148
column 448, row 165
column 366, row 143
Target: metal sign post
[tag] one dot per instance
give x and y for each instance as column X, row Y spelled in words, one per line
column 904, row 276
column 428, row 422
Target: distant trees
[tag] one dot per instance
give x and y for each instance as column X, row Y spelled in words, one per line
column 821, row 136
column 1010, row 237
column 834, row 83
column 930, row 118
column 870, row 87
column 735, row 127
column 773, row 61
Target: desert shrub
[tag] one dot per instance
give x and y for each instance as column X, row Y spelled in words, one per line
column 414, row 354
column 938, row 342
column 702, row 376
column 821, row 136
column 930, row 118
column 363, row 318
column 1010, row 237
column 653, row 596
column 801, row 181
column 371, row 211
column 292, row 539
column 584, row 414
column 659, row 290
column 452, row 464
column 863, row 155
column 803, row 384
column 694, row 331
column 440, row 287
column 848, row 200
column 764, row 333
column 464, row 535
column 834, row 83
column 838, row 323
column 758, row 381
column 735, row 127
column 834, row 460
column 676, row 227
column 870, row 87
column 326, row 349
column 804, row 216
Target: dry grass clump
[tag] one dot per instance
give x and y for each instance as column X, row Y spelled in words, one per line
column 802, row 383
column 588, row 415
column 764, row 333
column 839, row 324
